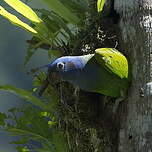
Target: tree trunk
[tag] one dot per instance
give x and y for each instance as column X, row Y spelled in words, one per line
column 135, row 134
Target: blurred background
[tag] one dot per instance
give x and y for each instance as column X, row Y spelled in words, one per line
column 12, row 70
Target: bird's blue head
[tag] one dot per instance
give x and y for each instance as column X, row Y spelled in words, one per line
column 74, row 69
column 66, row 68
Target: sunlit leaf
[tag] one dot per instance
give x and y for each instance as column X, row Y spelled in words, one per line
column 27, row 12
column 24, row 94
column 14, row 20
column 22, row 149
column 51, row 123
column 61, row 10
column 24, row 10
column 100, row 5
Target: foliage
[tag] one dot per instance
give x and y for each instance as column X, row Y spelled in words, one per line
column 16, row 21
column 57, row 26
column 34, row 128
column 63, row 29
column 34, row 124
column 61, row 10
column 100, row 5
column 24, row 94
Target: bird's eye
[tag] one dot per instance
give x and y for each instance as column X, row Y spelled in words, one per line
column 60, row 65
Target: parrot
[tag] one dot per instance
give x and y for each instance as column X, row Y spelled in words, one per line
column 104, row 72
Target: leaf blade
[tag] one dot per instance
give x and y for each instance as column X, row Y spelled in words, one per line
column 100, row 5
column 26, row 95
column 23, row 9
column 16, row 21
column 62, row 11
column 23, row 132
column 112, row 60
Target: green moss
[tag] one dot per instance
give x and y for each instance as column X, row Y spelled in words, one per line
column 82, row 121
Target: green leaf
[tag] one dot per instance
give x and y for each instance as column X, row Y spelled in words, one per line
column 79, row 8
column 2, row 119
column 61, row 23
column 22, row 132
column 46, row 15
column 20, row 141
column 112, row 60
column 24, row 94
column 22, row 149
column 40, row 28
column 14, row 20
column 100, row 5
column 24, row 10
column 55, row 53
column 52, row 26
column 61, row 10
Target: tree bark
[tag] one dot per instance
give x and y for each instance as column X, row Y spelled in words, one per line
column 135, row 25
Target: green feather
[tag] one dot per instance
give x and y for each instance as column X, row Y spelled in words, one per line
column 113, row 61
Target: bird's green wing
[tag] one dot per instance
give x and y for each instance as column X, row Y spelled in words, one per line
column 113, row 61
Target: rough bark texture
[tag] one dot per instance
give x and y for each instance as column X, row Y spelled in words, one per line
column 135, row 25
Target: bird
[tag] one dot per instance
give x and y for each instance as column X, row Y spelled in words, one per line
column 104, row 72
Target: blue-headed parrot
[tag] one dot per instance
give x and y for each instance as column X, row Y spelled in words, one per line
column 104, row 72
